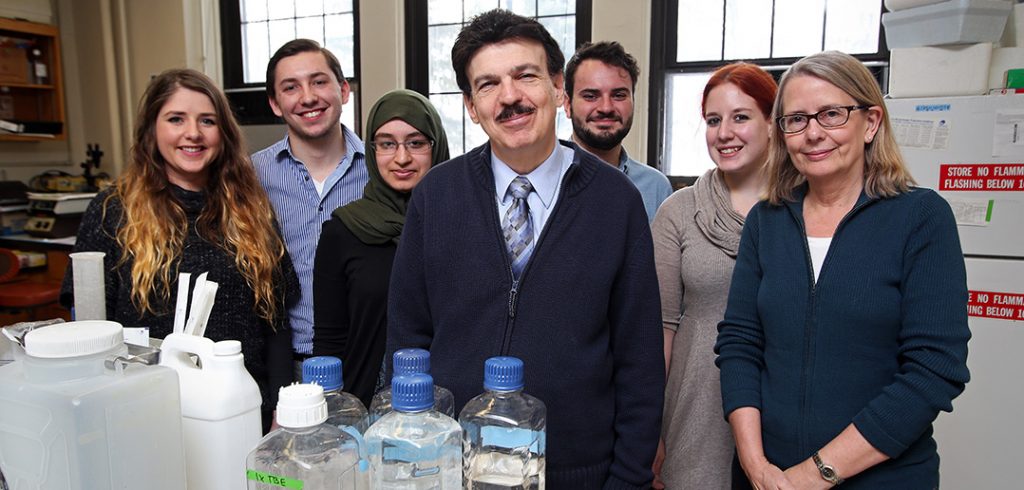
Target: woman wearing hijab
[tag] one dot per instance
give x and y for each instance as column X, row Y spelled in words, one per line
column 357, row 246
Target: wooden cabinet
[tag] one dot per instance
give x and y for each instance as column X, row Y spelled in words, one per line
column 31, row 82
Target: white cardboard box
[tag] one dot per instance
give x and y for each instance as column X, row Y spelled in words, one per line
column 939, row 71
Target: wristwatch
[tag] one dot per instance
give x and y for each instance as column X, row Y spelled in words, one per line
column 828, row 473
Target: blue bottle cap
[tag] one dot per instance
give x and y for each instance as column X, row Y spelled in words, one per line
column 324, row 371
column 412, row 392
column 412, row 360
column 503, row 374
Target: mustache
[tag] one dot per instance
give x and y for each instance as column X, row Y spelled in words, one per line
column 514, row 110
column 605, row 116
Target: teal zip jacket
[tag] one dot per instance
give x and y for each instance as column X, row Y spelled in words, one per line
column 880, row 341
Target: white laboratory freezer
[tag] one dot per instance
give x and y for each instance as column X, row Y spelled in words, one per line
column 971, row 150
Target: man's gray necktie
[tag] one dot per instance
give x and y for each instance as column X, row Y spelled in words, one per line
column 517, row 225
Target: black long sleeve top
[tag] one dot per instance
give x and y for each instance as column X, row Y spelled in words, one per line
column 350, row 300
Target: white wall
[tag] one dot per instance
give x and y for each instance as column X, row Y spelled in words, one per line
column 629, row 23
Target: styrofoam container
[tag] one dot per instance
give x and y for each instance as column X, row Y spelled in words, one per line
column 1013, row 34
column 939, row 71
column 951, row 22
column 894, row 5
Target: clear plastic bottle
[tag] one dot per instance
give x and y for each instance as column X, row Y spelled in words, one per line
column 504, row 432
column 409, row 361
column 343, row 408
column 415, row 447
column 306, row 452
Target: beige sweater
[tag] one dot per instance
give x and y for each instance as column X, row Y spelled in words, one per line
column 694, row 277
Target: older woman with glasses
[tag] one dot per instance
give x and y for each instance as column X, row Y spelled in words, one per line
column 357, row 246
column 846, row 329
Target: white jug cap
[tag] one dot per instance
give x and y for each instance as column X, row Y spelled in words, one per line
column 73, row 339
column 227, row 348
column 301, row 405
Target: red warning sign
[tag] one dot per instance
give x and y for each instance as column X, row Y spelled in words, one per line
column 987, row 304
column 981, row 177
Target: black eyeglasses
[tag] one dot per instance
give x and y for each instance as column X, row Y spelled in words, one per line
column 833, row 117
column 390, row 147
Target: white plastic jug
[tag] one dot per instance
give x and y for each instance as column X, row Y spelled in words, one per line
column 220, row 407
column 77, row 414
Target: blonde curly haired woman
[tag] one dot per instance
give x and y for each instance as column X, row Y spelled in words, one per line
column 189, row 201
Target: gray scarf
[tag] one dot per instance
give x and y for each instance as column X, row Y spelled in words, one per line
column 715, row 217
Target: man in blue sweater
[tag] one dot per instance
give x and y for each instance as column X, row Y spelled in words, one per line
column 532, row 248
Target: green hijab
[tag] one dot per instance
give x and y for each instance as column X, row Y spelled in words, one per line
column 379, row 216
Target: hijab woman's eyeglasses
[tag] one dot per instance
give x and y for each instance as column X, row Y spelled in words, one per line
column 418, row 146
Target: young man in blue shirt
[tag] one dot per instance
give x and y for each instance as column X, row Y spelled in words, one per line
column 600, row 80
column 317, row 167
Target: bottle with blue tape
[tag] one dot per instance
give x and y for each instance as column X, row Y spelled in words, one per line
column 343, row 408
column 306, row 452
column 504, row 431
column 415, row 447
column 409, row 361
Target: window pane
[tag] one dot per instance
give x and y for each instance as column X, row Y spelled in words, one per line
column 308, row 7
column 563, row 29
column 556, row 7
column 526, row 8
column 257, row 52
column 341, row 41
column 851, row 26
column 278, row 9
column 798, row 26
column 475, row 135
column 281, row 31
column 450, row 108
column 251, row 10
column 475, row 7
column 439, row 47
column 444, row 12
column 462, row 132
column 337, row 6
column 748, row 30
column 311, row 28
column 700, row 30
column 686, row 151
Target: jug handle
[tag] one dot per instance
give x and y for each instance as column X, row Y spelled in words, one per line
column 177, row 347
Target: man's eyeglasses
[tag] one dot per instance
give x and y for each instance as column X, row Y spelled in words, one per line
column 833, row 117
column 390, row 147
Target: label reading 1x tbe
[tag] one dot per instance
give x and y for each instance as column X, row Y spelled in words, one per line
column 273, row 480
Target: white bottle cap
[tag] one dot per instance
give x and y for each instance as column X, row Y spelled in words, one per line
column 227, row 348
column 301, row 405
column 73, row 339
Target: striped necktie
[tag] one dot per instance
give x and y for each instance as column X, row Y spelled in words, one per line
column 517, row 225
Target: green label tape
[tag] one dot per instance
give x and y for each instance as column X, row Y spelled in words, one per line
column 274, row 480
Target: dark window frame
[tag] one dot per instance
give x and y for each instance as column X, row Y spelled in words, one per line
column 663, row 64
column 249, row 100
column 418, row 56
